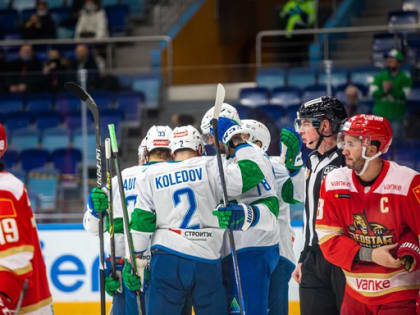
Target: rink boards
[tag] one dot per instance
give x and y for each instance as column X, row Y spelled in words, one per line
column 71, row 256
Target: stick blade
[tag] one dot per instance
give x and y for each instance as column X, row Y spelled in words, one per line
column 220, row 98
column 76, row 89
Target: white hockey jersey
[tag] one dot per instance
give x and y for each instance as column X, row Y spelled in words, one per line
column 184, row 195
column 130, row 176
column 298, row 181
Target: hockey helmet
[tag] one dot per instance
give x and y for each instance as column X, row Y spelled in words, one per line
column 227, row 111
column 321, row 108
column 158, row 137
column 141, row 152
column 257, row 132
column 3, row 141
column 368, row 128
column 185, row 137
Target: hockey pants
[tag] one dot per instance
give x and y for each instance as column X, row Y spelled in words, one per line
column 278, row 301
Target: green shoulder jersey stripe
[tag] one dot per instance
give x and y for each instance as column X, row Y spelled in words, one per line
column 118, row 225
column 287, row 192
column 251, row 174
column 271, row 202
column 143, row 221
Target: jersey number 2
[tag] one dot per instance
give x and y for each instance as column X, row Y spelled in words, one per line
column 192, row 206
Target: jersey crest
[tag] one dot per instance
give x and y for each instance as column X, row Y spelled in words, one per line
column 369, row 234
column 7, row 208
column 416, row 191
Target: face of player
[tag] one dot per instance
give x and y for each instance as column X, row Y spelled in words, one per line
column 309, row 134
column 352, row 151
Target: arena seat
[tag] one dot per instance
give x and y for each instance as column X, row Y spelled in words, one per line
column 131, row 104
column 55, row 138
column 67, row 103
column 338, row 76
column 33, row 158
column 274, row 112
column 104, row 99
column 26, row 13
column 22, row 5
column 403, row 18
column 254, row 96
column 364, row 74
column 314, row 91
column 111, row 116
column 149, row 85
column 10, row 158
column 91, row 144
column 243, row 111
column 117, row 18
column 301, row 77
column 11, row 103
column 59, row 14
column 19, row 120
column 271, row 77
column 414, row 94
column 9, row 19
column 39, row 103
column 25, row 138
column 43, row 185
column 285, row 95
column 45, row 120
column 65, row 160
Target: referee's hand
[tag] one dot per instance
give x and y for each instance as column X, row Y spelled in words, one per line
column 297, row 273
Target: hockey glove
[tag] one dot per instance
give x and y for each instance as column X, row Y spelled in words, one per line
column 227, row 128
column 409, row 252
column 6, row 307
column 131, row 281
column 98, row 200
column 236, row 216
column 290, row 146
column 112, row 285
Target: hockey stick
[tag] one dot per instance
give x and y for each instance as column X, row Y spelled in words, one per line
column 110, row 205
column 220, row 96
column 127, row 232
column 90, row 103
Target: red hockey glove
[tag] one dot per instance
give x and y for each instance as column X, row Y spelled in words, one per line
column 409, row 252
column 6, row 307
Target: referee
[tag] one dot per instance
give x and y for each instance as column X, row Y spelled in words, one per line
column 321, row 284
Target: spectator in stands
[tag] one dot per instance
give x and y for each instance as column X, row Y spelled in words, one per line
column 40, row 24
column 182, row 120
column 54, row 71
column 389, row 89
column 24, row 72
column 352, row 94
column 85, row 60
column 92, row 21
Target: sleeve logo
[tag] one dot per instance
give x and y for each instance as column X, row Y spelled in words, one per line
column 416, row 191
column 7, row 208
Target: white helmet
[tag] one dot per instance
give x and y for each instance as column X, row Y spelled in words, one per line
column 142, row 148
column 185, row 137
column 227, row 111
column 158, row 137
column 257, row 132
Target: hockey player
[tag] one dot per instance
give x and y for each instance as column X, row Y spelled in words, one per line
column 154, row 147
column 289, row 177
column 368, row 222
column 23, row 277
column 257, row 249
column 321, row 284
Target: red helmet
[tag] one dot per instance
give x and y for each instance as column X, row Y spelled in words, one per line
column 3, row 141
column 370, row 128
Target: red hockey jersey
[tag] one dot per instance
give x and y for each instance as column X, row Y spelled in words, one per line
column 350, row 216
column 20, row 252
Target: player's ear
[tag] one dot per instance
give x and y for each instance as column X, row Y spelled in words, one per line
column 200, row 150
column 371, row 150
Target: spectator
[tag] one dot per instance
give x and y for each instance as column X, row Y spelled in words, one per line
column 389, row 89
column 92, row 21
column 40, row 24
column 179, row 120
column 24, row 72
column 54, row 71
column 352, row 94
column 85, row 60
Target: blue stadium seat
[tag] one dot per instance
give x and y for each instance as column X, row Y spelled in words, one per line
column 117, row 18
column 11, row 103
column 364, row 75
column 365, row 107
column 59, row 14
column 17, row 121
column 47, row 120
column 403, row 18
column 19, row 173
column 313, row 91
column 21, row 5
column 74, row 120
column 67, row 103
column 10, row 158
column 285, row 96
column 39, row 103
column 91, row 144
column 131, row 103
column 9, row 19
column 110, row 116
column 338, row 76
column 33, row 158
column 271, row 77
column 104, row 100
column 55, row 138
column 57, row 3
column 255, row 96
column 137, row 7
column 414, row 94
column 65, row 160
column 149, row 85
column 25, row 138
column 301, row 77
column 43, row 184
column 274, row 112
column 243, row 111
column 4, row 4
column 126, row 81
column 27, row 12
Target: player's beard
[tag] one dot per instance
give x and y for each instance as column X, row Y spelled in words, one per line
column 356, row 165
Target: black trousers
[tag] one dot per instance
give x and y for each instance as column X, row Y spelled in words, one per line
column 321, row 290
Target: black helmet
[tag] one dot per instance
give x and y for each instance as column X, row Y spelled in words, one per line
column 321, row 108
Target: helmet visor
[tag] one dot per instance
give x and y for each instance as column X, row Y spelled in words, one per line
column 302, row 124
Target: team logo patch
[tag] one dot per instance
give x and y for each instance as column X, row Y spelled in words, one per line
column 416, row 191
column 369, row 234
column 328, row 169
column 234, row 307
column 7, row 208
column 339, row 196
